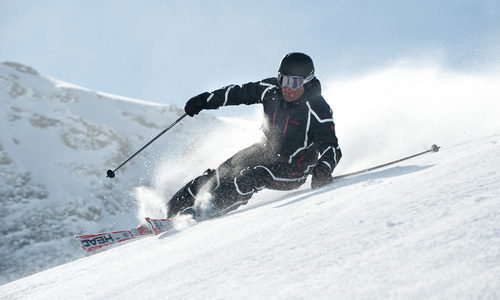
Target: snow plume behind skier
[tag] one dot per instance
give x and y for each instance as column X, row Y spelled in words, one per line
column 300, row 140
column 171, row 173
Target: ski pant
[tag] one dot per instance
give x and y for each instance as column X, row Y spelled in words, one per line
column 235, row 181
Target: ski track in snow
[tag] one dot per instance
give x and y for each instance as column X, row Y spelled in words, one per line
column 426, row 228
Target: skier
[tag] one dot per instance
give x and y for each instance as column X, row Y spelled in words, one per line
column 299, row 141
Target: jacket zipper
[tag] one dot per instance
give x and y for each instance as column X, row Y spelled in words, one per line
column 286, row 125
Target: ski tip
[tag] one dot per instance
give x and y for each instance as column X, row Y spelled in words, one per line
column 435, row 148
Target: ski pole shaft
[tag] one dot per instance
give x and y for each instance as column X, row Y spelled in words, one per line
column 434, row 148
column 111, row 173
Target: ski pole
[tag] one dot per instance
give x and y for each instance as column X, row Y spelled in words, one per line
column 434, row 148
column 111, row 173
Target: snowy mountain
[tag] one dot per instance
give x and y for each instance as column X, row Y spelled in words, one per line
column 57, row 141
column 424, row 228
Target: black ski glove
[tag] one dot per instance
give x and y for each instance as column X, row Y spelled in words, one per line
column 196, row 104
column 321, row 175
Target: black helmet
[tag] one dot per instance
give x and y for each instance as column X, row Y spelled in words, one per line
column 297, row 64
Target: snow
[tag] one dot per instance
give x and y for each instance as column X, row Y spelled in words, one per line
column 426, row 228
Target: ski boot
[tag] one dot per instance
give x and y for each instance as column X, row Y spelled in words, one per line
column 190, row 211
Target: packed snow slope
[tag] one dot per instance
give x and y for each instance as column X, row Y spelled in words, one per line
column 428, row 228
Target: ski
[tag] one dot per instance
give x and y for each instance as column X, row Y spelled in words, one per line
column 92, row 242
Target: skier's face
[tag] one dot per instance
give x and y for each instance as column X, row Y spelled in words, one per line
column 292, row 95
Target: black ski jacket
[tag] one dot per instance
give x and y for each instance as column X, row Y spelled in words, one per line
column 301, row 132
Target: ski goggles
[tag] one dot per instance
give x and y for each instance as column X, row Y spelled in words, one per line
column 293, row 82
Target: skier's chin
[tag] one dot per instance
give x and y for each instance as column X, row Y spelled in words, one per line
column 292, row 95
column 289, row 97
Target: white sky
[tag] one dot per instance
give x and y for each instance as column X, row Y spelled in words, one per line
column 168, row 51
